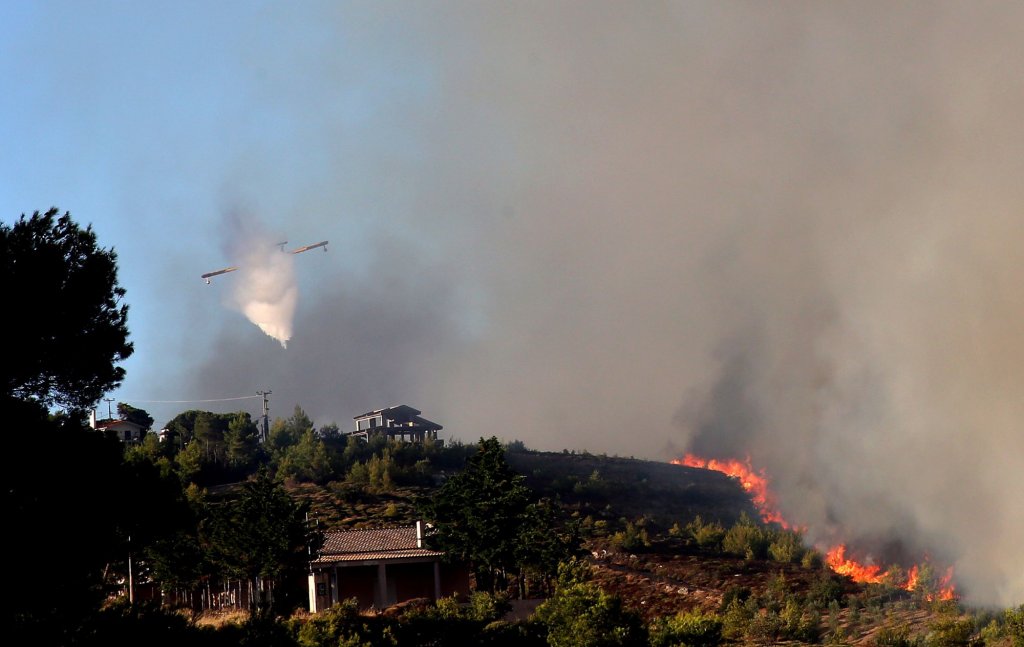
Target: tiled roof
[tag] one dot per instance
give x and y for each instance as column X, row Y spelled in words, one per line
column 398, row 408
column 372, row 544
column 113, row 422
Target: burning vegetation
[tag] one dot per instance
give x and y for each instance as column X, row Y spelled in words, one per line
column 756, row 483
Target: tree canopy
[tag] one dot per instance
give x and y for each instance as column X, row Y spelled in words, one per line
column 261, row 535
column 70, row 329
column 140, row 417
column 484, row 516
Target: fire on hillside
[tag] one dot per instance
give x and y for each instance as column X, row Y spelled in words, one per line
column 755, row 482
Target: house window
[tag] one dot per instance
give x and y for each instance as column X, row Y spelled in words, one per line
column 127, row 434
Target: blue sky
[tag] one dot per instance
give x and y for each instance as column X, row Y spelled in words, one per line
column 151, row 121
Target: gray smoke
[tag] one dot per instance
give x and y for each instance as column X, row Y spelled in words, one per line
column 784, row 230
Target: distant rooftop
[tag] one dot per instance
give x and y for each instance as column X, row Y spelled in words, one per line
column 372, row 544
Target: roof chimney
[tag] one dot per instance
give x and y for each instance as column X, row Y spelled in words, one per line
column 419, row 534
column 92, row 417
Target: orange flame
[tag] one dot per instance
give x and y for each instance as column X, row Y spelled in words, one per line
column 837, row 561
column 756, row 483
column 946, row 590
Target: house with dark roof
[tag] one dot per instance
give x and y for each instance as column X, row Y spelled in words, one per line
column 381, row 567
column 400, row 422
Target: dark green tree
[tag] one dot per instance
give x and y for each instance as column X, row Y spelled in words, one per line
column 217, row 447
column 261, row 536
column 181, row 426
column 69, row 333
column 287, row 432
column 209, row 432
column 306, row 460
column 140, row 417
column 581, row 614
column 544, row 542
column 242, row 441
column 71, row 330
column 479, row 513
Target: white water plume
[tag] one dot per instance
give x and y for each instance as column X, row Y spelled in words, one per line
column 265, row 289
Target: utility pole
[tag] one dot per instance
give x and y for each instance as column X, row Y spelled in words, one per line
column 266, row 414
column 131, row 580
column 110, row 416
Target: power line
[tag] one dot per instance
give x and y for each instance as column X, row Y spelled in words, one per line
column 241, row 397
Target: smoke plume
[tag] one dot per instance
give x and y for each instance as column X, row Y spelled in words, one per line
column 789, row 231
column 264, row 288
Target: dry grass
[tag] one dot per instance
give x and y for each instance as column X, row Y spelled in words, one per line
column 218, row 619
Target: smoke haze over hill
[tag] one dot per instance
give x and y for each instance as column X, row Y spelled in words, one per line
column 784, row 230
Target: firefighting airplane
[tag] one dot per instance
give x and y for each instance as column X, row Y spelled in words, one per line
column 298, row 250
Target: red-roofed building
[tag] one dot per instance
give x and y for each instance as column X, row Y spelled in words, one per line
column 125, row 430
column 381, row 567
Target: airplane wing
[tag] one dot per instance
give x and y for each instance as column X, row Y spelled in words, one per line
column 306, row 248
column 210, row 275
column 298, row 250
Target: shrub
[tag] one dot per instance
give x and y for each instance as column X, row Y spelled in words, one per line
column 735, row 619
column 824, row 590
column 811, row 559
column 1013, row 620
column 809, row 628
column 580, row 614
column 487, row 607
column 330, row 626
column 775, row 594
column 786, row 547
column 694, row 629
column 706, row 535
column 530, row 633
column 766, row 628
column 897, row 635
column 746, row 540
column 734, row 593
column 951, row 632
column 632, row 539
column 358, row 475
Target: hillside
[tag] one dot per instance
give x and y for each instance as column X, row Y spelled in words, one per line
column 616, row 487
column 602, row 486
column 665, row 572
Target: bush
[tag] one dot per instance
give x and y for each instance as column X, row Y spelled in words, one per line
column 487, row 607
column 812, row 559
column 766, row 628
column 824, row 590
column 706, row 535
column 736, row 618
column 897, row 635
column 734, row 594
column 328, row 627
column 746, row 540
column 1014, row 621
column 809, row 628
column 580, row 614
column 694, row 629
column 951, row 632
column 786, row 547
column 632, row 539
column 513, row 634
